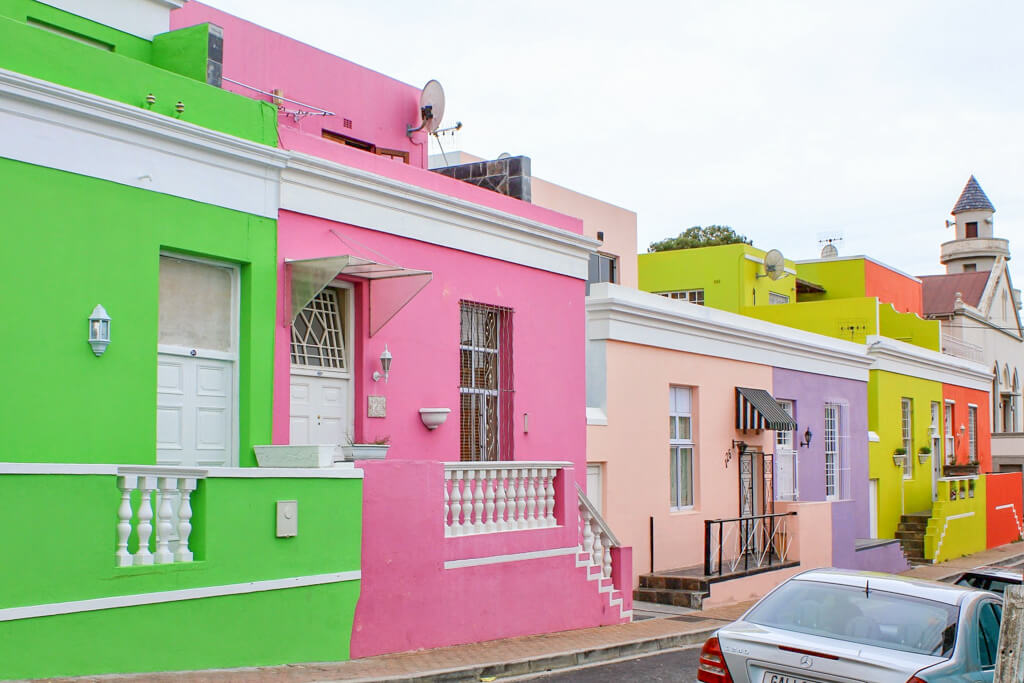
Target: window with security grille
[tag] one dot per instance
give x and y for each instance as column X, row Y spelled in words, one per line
column 485, row 382
column 680, row 440
column 318, row 333
column 907, row 421
column 774, row 298
column 972, row 433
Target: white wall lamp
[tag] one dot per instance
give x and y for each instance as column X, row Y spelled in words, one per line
column 385, row 365
column 99, row 330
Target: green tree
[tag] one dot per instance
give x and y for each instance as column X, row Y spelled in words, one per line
column 697, row 236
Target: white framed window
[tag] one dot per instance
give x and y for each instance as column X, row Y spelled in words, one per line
column 774, row 298
column 787, row 475
column 972, row 433
column 907, row 422
column 693, row 296
column 934, row 430
column 784, row 438
column 485, row 382
column 680, row 440
column 947, row 420
column 835, row 455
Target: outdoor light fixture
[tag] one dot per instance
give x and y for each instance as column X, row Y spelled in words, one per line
column 807, row 438
column 99, row 330
column 385, row 365
column 740, row 447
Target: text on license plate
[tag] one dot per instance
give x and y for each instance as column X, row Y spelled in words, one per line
column 770, row 677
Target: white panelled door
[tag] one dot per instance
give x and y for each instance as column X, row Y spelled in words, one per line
column 595, row 484
column 321, row 380
column 196, row 409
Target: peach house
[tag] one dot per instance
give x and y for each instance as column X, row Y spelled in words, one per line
column 709, row 427
column 420, row 323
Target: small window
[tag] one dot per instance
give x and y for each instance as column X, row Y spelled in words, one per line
column 989, row 616
column 907, row 421
column 680, row 439
column 602, row 268
column 693, row 296
column 774, row 298
column 970, row 267
column 948, row 433
column 396, row 154
column 347, row 141
column 971, row 229
column 784, row 437
column 972, row 433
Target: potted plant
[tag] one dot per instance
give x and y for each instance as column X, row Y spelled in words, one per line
column 899, row 456
column 373, row 450
column 923, row 453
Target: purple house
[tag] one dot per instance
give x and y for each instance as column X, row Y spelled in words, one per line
column 826, row 458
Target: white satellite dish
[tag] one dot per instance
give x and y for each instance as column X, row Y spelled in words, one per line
column 431, row 108
column 774, row 264
column 829, row 251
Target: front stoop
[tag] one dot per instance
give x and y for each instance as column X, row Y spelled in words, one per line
column 673, row 588
column 605, row 586
column 910, row 534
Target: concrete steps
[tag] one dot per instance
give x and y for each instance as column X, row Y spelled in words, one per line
column 673, row 589
column 910, row 534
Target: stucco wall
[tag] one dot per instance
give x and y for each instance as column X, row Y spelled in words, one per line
column 633, row 448
column 900, row 290
column 964, row 398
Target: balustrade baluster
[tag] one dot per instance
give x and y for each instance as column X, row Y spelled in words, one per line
column 606, row 560
column 588, row 534
column 145, row 528
column 597, row 552
column 512, row 522
column 489, row 525
column 126, row 484
column 549, row 491
column 521, row 522
column 478, row 502
column 499, row 499
column 467, row 502
column 185, row 488
column 164, row 512
column 531, row 499
column 456, row 527
column 447, row 504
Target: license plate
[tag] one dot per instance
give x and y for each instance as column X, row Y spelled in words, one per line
column 771, row 677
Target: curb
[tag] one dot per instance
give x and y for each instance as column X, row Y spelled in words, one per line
column 551, row 662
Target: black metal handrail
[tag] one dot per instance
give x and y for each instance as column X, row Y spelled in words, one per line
column 760, row 540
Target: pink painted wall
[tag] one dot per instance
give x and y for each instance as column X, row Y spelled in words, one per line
column 378, row 106
column 548, row 345
column 410, row 601
column 633, row 448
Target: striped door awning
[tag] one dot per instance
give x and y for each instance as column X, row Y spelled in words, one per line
column 757, row 409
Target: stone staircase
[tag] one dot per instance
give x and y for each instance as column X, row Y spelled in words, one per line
column 679, row 587
column 910, row 533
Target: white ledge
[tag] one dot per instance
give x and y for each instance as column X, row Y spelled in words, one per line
column 902, row 358
column 164, row 471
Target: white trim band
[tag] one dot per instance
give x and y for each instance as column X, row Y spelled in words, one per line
column 515, row 557
column 115, row 602
column 902, row 358
column 341, row 471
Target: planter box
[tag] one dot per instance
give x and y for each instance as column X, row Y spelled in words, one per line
column 365, row 451
column 960, row 470
column 297, row 456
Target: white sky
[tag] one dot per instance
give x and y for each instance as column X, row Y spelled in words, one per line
column 782, row 119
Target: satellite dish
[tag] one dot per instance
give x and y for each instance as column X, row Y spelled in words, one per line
column 829, row 251
column 431, row 108
column 774, row 264
column 504, row 155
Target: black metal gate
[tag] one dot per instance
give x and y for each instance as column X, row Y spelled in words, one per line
column 757, row 483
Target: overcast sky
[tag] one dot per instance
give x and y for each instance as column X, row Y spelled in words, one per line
column 781, row 119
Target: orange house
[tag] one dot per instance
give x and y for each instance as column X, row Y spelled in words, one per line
column 967, row 426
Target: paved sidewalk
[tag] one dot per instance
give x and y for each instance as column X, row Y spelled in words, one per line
column 529, row 654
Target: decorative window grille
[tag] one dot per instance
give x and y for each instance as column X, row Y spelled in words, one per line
column 972, row 433
column 907, row 420
column 831, row 451
column 318, row 333
column 693, row 296
column 774, row 298
column 680, row 440
column 948, row 424
column 485, row 382
column 785, row 459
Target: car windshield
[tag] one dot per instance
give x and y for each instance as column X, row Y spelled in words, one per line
column 872, row 617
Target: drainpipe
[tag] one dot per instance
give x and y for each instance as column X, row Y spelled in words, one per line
column 652, row 544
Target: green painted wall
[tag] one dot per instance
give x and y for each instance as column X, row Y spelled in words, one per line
column 728, row 279
column 125, row 75
column 184, row 51
column 59, row 556
column 946, row 538
column 909, row 328
column 841, row 279
column 122, row 43
column 100, row 244
column 898, row 495
column 849, row 319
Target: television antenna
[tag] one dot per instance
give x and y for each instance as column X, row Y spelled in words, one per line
column 774, row 265
column 829, row 240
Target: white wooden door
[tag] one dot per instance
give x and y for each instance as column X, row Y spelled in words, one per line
column 194, row 410
column 320, row 411
column 595, row 485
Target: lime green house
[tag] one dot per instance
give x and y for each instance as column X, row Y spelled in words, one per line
column 141, row 219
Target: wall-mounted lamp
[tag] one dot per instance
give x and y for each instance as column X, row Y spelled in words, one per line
column 385, row 365
column 99, row 330
column 739, row 446
column 807, row 438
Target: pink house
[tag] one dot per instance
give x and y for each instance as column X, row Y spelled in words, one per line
column 444, row 324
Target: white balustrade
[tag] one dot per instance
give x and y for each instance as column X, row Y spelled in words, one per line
column 490, row 497
column 171, row 486
column 596, row 539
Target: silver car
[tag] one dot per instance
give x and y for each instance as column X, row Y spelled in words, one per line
column 830, row 625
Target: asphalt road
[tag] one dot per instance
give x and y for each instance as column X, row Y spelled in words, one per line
column 674, row 667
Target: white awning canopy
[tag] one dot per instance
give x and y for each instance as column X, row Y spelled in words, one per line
column 390, row 287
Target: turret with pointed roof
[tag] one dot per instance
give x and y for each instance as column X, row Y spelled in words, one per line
column 974, row 247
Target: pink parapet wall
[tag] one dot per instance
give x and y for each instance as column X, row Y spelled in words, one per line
column 547, row 357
